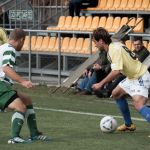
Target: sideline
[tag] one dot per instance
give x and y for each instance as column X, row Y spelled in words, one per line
column 84, row 113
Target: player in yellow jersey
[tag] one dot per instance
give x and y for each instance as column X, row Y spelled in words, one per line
column 136, row 83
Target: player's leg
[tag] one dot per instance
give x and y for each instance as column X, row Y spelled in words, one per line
column 31, row 118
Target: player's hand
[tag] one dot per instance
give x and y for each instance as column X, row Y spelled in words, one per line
column 27, row 84
column 97, row 86
column 97, row 66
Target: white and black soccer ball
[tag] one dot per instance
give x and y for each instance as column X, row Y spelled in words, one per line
column 108, row 124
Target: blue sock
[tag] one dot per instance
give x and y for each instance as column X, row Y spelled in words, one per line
column 124, row 108
column 145, row 112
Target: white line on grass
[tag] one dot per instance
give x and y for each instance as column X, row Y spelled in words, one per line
column 83, row 113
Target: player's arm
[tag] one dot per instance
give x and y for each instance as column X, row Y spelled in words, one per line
column 112, row 75
column 14, row 76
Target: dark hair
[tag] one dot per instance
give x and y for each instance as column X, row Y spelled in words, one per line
column 138, row 38
column 101, row 33
column 17, row 34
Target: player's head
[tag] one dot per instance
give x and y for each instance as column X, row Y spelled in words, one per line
column 137, row 43
column 101, row 38
column 16, row 38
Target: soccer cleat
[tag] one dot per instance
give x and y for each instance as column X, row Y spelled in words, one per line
column 40, row 137
column 18, row 140
column 123, row 127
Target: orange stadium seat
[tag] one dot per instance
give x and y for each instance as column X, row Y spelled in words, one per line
column 130, row 5
column 67, row 23
column 72, row 45
column 26, row 43
column 132, row 22
column 44, row 46
column 94, row 23
column 74, row 23
column 116, row 24
column 65, row 44
column 87, row 24
column 109, row 4
column 51, row 44
column 79, row 45
column 116, row 5
column 94, row 49
column 148, row 8
column 86, row 46
column 144, row 5
column 109, row 23
column 102, row 22
column 101, row 5
column 148, row 46
column 145, row 43
column 123, row 4
column 80, row 23
column 38, row 43
column 137, row 5
column 60, row 24
column 124, row 20
column 140, row 26
column 56, row 47
column 128, row 44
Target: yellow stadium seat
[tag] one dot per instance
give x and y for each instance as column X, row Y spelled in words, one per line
column 109, row 4
column 132, row 22
column 102, row 21
column 74, row 23
column 51, row 44
column 72, row 45
column 80, row 23
column 116, row 5
column 148, row 8
column 26, row 43
column 145, row 4
column 130, row 5
column 148, row 46
column 60, row 24
column 145, row 43
column 128, row 43
column 87, row 24
column 38, row 43
column 137, row 5
column 124, row 20
column 67, row 23
column 79, row 45
column 109, row 23
column 140, row 26
column 45, row 43
column 123, row 4
column 101, row 5
column 86, row 46
column 116, row 24
column 94, row 23
column 65, row 44
column 56, row 47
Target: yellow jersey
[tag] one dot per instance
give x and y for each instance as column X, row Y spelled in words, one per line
column 124, row 60
column 3, row 36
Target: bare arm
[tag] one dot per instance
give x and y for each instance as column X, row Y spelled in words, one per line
column 112, row 75
column 14, row 76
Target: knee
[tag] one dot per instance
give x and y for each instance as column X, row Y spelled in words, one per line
column 21, row 108
column 138, row 105
column 115, row 94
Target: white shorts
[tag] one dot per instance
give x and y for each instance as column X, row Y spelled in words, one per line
column 138, row 86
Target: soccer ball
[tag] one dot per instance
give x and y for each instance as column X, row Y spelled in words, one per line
column 108, row 124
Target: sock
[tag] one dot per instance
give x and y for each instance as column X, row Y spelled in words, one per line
column 145, row 112
column 31, row 121
column 17, row 123
column 124, row 108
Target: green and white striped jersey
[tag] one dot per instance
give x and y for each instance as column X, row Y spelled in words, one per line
column 7, row 57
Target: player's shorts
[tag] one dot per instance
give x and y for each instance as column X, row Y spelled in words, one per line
column 7, row 94
column 138, row 86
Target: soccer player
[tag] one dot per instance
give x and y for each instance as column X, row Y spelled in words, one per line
column 9, row 98
column 3, row 36
column 136, row 83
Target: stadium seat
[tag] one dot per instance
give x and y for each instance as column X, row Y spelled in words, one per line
column 74, row 23
column 148, row 46
column 94, row 23
column 94, row 49
column 38, row 43
column 116, row 24
column 140, row 26
column 132, row 22
column 86, row 46
column 26, row 43
column 65, row 44
column 123, row 4
column 79, row 45
column 109, row 23
column 116, row 4
column 45, row 43
column 72, row 45
column 101, row 5
column 124, row 20
column 137, row 5
column 51, row 44
column 128, row 44
column 87, row 24
column 145, row 4
column 130, row 5
column 60, row 24
column 80, row 23
column 109, row 4
column 102, row 22
column 148, row 8
column 67, row 23
column 145, row 43
column 56, row 47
